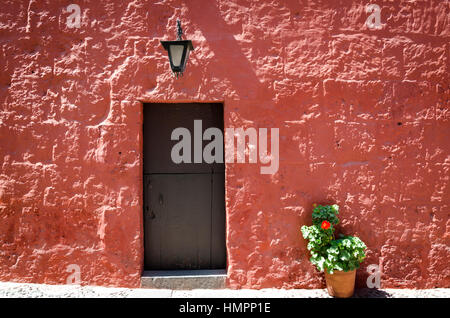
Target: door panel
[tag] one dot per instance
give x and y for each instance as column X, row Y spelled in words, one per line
column 184, row 204
column 178, row 221
column 161, row 120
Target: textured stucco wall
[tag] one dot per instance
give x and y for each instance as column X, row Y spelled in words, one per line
column 363, row 118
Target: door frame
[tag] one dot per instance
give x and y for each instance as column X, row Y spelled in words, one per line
column 142, row 101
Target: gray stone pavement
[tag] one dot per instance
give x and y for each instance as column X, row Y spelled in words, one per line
column 22, row 290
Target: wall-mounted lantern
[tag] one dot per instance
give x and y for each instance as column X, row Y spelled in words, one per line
column 178, row 51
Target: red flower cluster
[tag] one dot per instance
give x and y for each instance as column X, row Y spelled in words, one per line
column 325, row 225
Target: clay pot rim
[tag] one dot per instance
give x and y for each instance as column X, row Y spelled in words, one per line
column 337, row 272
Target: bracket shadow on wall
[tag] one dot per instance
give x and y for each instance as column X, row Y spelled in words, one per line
column 184, row 204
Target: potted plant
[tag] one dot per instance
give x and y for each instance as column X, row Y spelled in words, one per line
column 340, row 257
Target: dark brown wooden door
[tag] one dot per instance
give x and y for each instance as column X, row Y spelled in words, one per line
column 184, row 204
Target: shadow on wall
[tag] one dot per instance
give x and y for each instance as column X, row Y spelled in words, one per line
column 229, row 60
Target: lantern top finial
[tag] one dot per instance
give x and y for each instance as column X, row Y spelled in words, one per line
column 179, row 30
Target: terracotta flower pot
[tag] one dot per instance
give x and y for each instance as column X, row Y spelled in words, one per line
column 341, row 284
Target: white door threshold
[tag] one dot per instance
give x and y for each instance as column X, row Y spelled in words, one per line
column 185, row 279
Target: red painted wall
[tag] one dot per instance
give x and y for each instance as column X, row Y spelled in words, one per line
column 363, row 117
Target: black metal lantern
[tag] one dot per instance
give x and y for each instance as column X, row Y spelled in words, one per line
column 178, row 51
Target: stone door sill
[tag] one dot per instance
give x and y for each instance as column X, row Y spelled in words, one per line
column 185, row 279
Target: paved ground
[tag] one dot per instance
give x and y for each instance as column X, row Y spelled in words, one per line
column 36, row 290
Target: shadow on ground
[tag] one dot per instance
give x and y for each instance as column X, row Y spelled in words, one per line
column 371, row 293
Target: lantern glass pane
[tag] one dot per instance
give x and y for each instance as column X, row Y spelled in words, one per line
column 187, row 57
column 176, row 52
